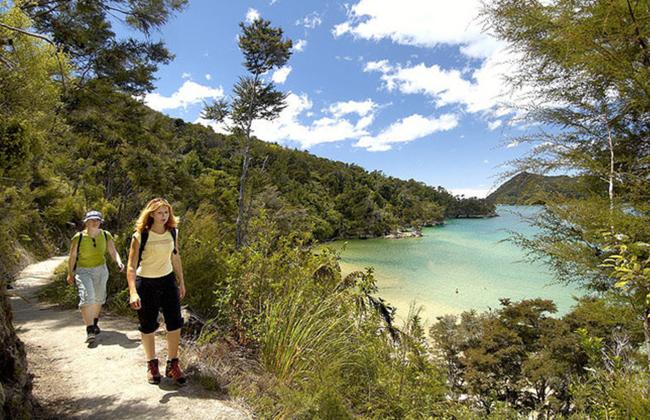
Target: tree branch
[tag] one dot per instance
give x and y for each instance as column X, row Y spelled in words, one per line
column 44, row 38
column 644, row 46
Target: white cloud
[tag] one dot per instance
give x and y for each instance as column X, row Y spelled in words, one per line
column 362, row 108
column 208, row 76
column 281, row 74
column 188, row 94
column 221, row 127
column 288, row 127
column 407, row 129
column 382, row 66
column 423, row 23
column 341, row 29
column 339, row 124
column 481, row 92
column 512, row 144
column 186, row 75
column 300, row 45
column 479, row 87
column 310, row 21
column 252, row 15
column 470, row 192
column 493, row 125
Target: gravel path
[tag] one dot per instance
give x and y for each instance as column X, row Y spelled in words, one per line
column 107, row 380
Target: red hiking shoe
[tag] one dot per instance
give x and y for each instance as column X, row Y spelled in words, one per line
column 173, row 370
column 153, row 374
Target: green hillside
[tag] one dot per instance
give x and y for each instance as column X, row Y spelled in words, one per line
column 526, row 189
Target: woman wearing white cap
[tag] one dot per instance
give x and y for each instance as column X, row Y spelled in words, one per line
column 87, row 268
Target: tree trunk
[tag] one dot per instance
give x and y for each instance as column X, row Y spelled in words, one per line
column 611, row 170
column 240, row 199
column 646, row 332
column 241, row 214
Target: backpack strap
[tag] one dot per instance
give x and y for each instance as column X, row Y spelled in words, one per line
column 144, row 235
column 105, row 236
column 81, row 234
column 173, row 232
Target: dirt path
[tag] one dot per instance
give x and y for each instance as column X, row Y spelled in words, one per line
column 107, row 380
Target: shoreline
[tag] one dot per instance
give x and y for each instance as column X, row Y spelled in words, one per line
column 405, row 232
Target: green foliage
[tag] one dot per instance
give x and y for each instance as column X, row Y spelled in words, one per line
column 83, row 30
column 59, row 291
column 519, row 361
column 327, row 346
column 30, row 99
column 299, row 332
column 326, row 341
column 613, row 386
column 630, row 264
column 586, row 65
column 263, row 46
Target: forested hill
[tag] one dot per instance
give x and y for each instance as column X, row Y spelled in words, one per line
column 338, row 199
column 526, row 188
column 118, row 143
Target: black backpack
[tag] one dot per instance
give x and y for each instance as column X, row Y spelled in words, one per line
column 144, row 236
column 81, row 234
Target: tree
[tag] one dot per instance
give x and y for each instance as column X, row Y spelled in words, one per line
column 586, row 66
column 82, row 30
column 28, row 98
column 253, row 98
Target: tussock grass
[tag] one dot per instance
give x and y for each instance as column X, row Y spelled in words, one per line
column 299, row 334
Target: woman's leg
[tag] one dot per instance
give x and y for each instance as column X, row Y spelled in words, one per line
column 88, row 313
column 148, row 314
column 171, row 309
column 100, row 279
column 149, row 344
column 86, row 290
column 173, row 340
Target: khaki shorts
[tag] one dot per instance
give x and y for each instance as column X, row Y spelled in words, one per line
column 91, row 284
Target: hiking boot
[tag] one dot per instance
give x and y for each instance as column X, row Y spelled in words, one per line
column 153, row 374
column 173, row 370
column 90, row 334
column 97, row 330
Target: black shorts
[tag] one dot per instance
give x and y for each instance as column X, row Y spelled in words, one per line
column 158, row 294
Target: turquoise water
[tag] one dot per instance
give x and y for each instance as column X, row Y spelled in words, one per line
column 459, row 266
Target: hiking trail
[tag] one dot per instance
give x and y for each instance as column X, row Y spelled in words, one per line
column 106, row 380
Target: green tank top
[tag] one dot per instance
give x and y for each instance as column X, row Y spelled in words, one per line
column 91, row 251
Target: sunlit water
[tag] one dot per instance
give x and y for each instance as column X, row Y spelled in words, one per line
column 459, row 266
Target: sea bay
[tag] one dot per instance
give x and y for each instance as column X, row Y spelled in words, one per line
column 464, row 264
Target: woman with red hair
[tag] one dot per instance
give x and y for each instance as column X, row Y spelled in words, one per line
column 155, row 278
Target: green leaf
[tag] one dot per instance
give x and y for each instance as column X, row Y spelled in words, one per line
column 621, row 284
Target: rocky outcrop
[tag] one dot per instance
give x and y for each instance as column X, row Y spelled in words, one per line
column 16, row 399
column 477, row 216
column 415, row 233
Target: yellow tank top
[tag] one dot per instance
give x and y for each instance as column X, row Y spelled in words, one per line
column 157, row 255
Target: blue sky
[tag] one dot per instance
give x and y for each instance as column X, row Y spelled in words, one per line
column 413, row 88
